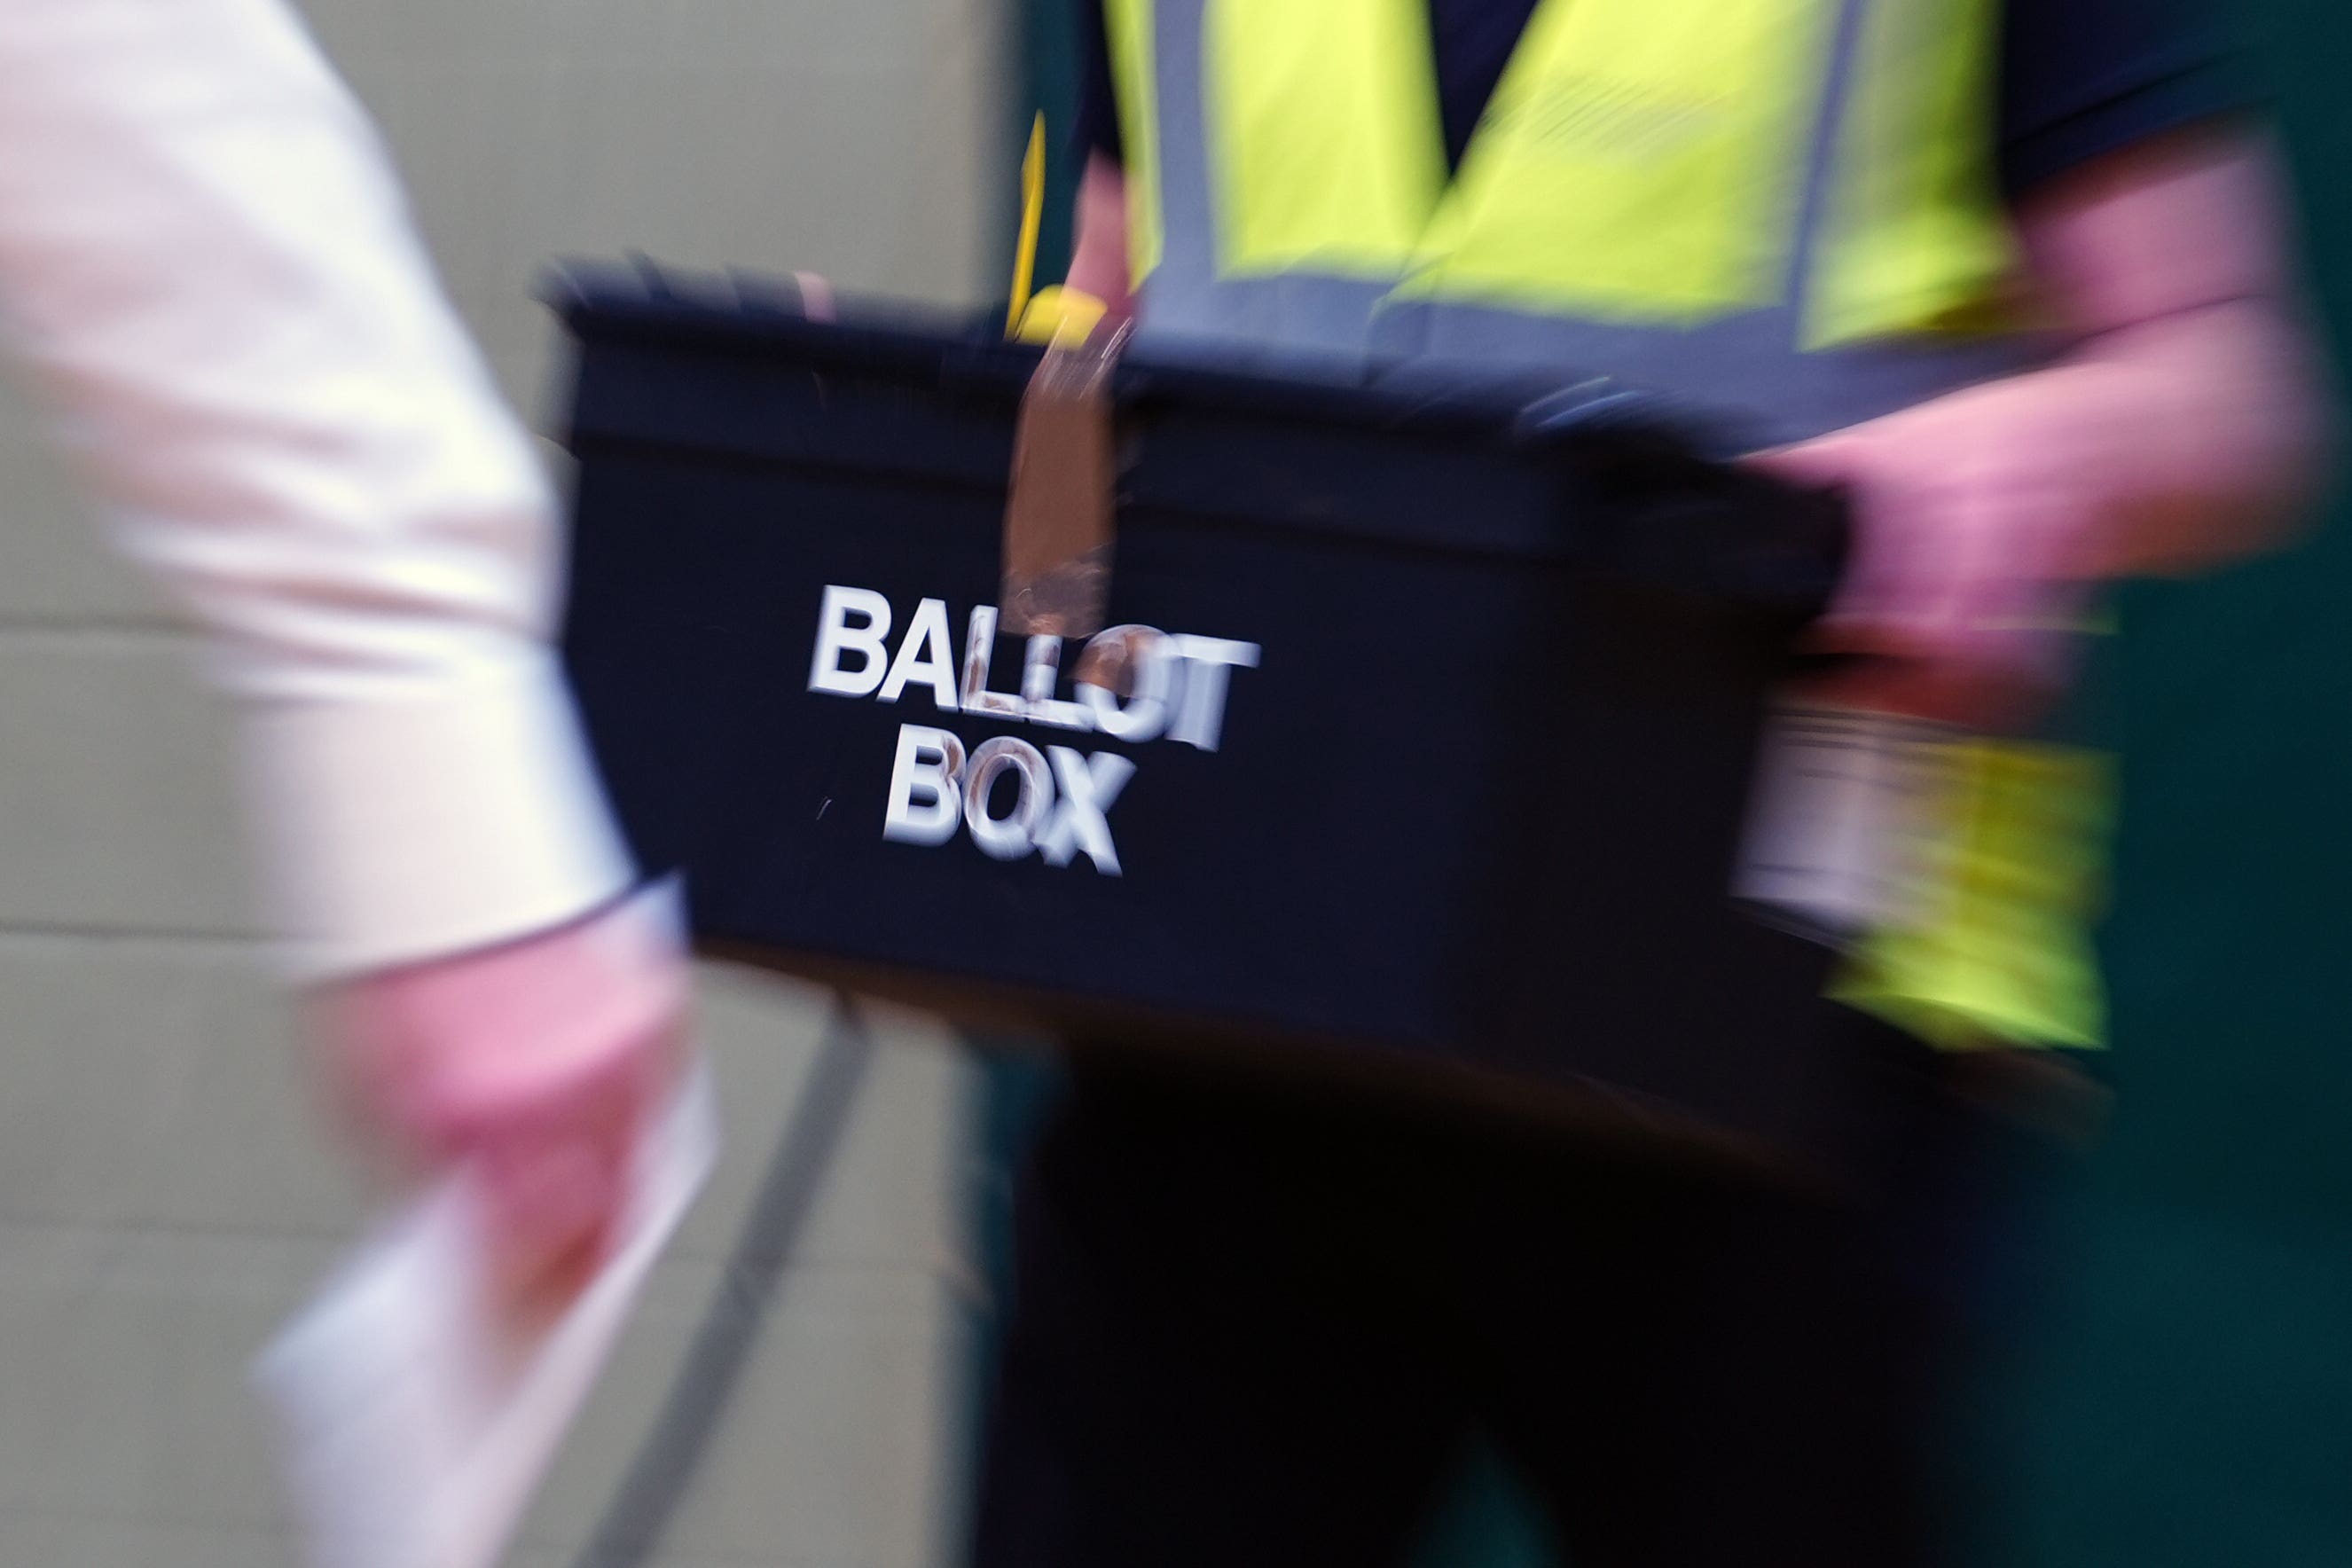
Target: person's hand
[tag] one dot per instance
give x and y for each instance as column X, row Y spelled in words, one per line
column 1099, row 250
column 533, row 1065
column 1976, row 518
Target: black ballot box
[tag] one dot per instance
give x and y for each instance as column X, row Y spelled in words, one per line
column 1429, row 763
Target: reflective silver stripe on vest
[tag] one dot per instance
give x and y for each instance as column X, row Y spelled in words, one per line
column 1750, row 364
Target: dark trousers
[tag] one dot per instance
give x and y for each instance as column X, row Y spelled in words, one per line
column 1256, row 1325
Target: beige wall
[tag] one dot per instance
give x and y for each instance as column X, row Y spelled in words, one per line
column 165, row 1193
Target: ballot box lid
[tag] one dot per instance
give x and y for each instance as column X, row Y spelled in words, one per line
column 1423, row 452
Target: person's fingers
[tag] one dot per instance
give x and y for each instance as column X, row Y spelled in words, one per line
column 1913, row 688
column 529, row 1068
column 627, row 1059
column 1878, row 565
column 1900, row 612
column 1982, row 681
column 1870, row 612
column 554, row 1176
column 547, row 1163
column 552, row 1208
column 1935, row 588
column 483, row 1024
column 2003, row 618
column 1961, row 589
column 544, row 1199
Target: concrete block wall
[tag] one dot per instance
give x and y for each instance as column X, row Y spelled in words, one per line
column 167, row 1191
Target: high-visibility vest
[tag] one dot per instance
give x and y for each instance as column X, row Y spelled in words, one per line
column 1783, row 207
column 1785, row 204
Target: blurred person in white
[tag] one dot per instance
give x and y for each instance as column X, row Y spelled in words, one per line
column 207, row 264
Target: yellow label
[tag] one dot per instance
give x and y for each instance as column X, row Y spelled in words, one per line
column 1998, row 950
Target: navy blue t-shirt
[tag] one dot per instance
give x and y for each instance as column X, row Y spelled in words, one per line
column 2079, row 77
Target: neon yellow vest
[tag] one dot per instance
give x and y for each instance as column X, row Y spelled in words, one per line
column 1754, row 199
column 1782, row 204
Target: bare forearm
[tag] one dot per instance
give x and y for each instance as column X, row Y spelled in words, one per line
column 2194, row 402
column 2185, row 425
column 1099, row 257
column 2194, row 438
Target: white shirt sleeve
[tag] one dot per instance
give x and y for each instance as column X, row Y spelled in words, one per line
column 208, row 263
